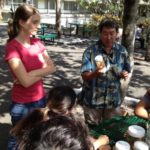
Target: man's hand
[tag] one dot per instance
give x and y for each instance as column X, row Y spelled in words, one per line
column 124, row 74
column 100, row 70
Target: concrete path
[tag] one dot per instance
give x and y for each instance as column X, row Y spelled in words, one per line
column 67, row 58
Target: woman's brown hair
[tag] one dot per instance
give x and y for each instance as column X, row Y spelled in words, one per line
column 23, row 12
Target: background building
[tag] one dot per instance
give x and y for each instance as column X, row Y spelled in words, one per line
column 71, row 11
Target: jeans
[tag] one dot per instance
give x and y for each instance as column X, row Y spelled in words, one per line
column 17, row 112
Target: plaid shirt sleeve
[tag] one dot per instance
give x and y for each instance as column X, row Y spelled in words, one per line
column 86, row 61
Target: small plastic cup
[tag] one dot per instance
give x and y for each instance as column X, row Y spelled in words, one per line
column 99, row 61
column 140, row 145
column 135, row 133
column 122, row 145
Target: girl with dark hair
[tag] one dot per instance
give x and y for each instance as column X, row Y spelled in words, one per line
column 40, row 130
column 58, row 133
column 29, row 63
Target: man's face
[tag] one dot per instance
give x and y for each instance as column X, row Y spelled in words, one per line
column 108, row 36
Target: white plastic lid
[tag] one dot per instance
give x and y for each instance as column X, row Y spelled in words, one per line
column 122, row 145
column 99, row 58
column 140, row 145
column 136, row 131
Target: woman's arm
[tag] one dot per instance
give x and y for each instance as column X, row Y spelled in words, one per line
column 141, row 110
column 27, row 79
column 48, row 67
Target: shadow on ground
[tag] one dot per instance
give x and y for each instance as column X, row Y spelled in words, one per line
column 140, row 79
column 4, row 128
column 67, row 69
column 5, row 99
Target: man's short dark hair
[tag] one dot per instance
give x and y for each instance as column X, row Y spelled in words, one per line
column 108, row 23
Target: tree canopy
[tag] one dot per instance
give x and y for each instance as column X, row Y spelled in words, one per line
column 102, row 7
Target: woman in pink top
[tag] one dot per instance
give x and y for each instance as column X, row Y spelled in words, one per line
column 29, row 63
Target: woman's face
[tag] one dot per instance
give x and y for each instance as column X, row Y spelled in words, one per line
column 30, row 26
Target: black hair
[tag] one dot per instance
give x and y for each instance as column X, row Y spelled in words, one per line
column 108, row 23
column 28, row 122
column 60, row 132
column 61, row 99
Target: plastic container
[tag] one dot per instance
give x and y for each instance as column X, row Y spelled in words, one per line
column 140, row 145
column 148, row 135
column 100, row 63
column 135, row 133
column 122, row 145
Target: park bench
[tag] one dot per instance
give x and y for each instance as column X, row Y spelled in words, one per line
column 87, row 31
column 48, row 37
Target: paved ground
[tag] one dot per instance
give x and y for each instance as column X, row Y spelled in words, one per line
column 67, row 58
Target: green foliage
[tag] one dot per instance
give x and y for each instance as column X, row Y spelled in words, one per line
column 96, row 19
column 114, row 7
column 144, row 22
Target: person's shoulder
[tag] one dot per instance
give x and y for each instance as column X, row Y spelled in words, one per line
column 120, row 47
column 11, row 44
column 35, row 39
column 92, row 46
column 148, row 91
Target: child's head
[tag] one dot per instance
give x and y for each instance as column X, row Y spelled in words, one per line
column 61, row 99
column 58, row 133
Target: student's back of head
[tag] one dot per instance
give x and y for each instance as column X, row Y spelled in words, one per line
column 61, row 99
column 59, row 133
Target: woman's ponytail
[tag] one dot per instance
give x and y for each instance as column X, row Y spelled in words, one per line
column 12, row 29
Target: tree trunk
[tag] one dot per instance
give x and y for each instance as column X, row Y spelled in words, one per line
column 129, row 23
column 1, row 18
column 58, row 18
column 147, row 55
column 128, row 38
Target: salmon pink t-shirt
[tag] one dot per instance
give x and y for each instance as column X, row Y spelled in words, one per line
column 32, row 59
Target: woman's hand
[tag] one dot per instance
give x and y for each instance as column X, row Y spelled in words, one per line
column 103, row 140
column 26, row 79
column 48, row 61
column 16, row 81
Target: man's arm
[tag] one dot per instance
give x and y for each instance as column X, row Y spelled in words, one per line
column 91, row 75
